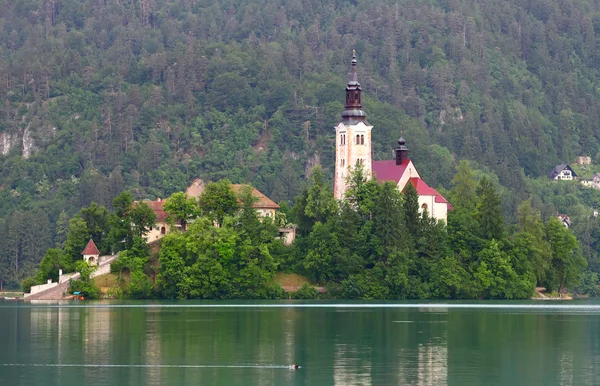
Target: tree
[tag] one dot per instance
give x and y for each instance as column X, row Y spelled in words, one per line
column 85, row 285
column 410, row 209
column 217, row 201
column 54, row 260
column 530, row 240
column 96, row 218
column 62, row 230
column 489, row 211
column 322, row 254
column 320, row 203
column 142, row 218
column 567, row 262
column 172, row 273
column 388, row 226
column 463, row 194
column 360, row 192
column 181, row 208
column 77, row 238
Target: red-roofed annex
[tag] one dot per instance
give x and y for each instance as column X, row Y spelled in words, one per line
column 91, row 253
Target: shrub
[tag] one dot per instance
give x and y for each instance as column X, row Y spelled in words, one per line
column 275, row 292
column 306, row 292
column 27, row 283
column 87, row 288
column 115, row 292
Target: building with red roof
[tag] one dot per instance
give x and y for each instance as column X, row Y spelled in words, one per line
column 161, row 226
column 353, row 147
column 91, row 253
column 263, row 205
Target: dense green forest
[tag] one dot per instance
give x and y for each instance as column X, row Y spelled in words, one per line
column 99, row 96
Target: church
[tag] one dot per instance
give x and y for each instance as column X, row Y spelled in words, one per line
column 353, row 147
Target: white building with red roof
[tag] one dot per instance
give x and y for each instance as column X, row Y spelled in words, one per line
column 91, row 253
column 265, row 207
column 353, row 147
column 161, row 226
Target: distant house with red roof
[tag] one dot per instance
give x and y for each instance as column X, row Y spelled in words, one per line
column 353, row 147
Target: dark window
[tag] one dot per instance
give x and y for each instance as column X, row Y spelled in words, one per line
column 163, row 230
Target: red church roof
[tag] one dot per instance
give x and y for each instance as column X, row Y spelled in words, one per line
column 425, row 190
column 388, row 170
column 90, row 249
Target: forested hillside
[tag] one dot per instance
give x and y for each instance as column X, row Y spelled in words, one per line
column 99, row 96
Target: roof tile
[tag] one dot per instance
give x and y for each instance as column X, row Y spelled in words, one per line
column 91, row 249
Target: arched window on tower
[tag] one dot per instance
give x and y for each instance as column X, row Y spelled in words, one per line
column 362, row 139
column 356, row 96
column 357, row 139
column 424, row 207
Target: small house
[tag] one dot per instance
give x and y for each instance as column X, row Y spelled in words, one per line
column 91, row 254
column 562, row 172
column 564, row 219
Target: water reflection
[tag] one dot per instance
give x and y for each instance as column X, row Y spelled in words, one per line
column 565, row 368
column 153, row 350
column 433, row 365
column 360, row 346
column 351, row 365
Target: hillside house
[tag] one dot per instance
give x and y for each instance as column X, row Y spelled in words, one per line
column 584, row 160
column 564, row 219
column 562, row 172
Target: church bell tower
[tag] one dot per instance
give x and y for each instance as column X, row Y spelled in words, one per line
column 352, row 136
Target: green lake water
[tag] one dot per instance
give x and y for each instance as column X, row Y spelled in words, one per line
column 251, row 343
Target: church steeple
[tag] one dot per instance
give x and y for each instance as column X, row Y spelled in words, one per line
column 401, row 151
column 353, row 112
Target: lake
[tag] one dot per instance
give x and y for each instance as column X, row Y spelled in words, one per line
column 251, row 343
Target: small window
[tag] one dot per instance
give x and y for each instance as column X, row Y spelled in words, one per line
column 362, row 139
column 424, row 206
column 163, row 230
column 356, row 96
column 357, row 139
